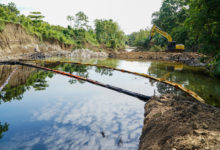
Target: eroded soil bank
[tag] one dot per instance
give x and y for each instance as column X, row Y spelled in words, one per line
column 16, row 42
column 177, row 122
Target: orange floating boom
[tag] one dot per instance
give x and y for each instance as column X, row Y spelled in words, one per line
column 134, row 94
column 176, row 85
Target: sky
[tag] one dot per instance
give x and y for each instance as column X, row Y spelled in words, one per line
column 131, row 15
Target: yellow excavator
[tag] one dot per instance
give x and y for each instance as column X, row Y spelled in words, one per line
column 172, row 46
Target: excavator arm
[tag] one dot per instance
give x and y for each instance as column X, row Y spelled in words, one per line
column 158, row 30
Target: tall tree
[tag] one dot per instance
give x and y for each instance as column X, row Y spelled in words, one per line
column 204, row 24
column 81, row 21
column 36, row 16
column 13, row 8
column 70, row 19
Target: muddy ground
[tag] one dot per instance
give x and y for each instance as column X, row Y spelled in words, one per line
column 188, row 58
column 180, row 123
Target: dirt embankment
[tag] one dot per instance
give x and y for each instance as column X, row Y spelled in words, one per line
column 188, row 58
column 176, row 122
column 15, row 42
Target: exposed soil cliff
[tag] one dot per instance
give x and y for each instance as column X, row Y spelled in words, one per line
column 176, row 122
column 16, row 42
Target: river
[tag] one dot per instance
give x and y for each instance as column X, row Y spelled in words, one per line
column 41, row 110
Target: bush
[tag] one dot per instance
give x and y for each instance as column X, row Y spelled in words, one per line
column 2, row 26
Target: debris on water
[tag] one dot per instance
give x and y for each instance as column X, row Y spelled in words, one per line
column 103, row 134
column 120, row 142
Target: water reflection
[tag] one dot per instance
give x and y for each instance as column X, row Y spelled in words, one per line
column 110, row 63
column 195, row 79
column 70, row 119
column 63, row 113
column 24, row 79
column 74, row 122
column 3, row 128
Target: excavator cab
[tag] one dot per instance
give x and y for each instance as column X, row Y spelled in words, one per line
column 172, row 46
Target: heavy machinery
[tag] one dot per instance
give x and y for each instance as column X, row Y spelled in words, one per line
column 172, row 46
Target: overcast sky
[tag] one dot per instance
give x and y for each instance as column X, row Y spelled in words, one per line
column 131, row 15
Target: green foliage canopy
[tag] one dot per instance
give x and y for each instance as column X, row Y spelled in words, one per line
column 109, row 33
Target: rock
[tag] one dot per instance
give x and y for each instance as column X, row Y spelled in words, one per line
column 36, row 49
column 86, row 53
column 38, row 55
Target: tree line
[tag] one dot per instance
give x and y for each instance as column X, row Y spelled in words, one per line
column 79, row 34
column 194, row 23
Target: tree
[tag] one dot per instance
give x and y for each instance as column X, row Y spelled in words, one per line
column 13, row 8
column 81, row 21
column 70, row 19
column 109, row 33
column 204, row 24
column 139, row 39
column 36, row 16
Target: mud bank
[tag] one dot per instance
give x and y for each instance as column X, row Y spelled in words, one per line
column 188, row 58
column 177, row 122
column 15, row 42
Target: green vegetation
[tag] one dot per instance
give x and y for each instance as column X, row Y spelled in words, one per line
column 196, row 24
column 139, row 39
column 108, row 33
column 36, row 16
column 187, row 21
column 78, row 34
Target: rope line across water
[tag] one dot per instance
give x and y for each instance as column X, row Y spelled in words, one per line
column 176, row 85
